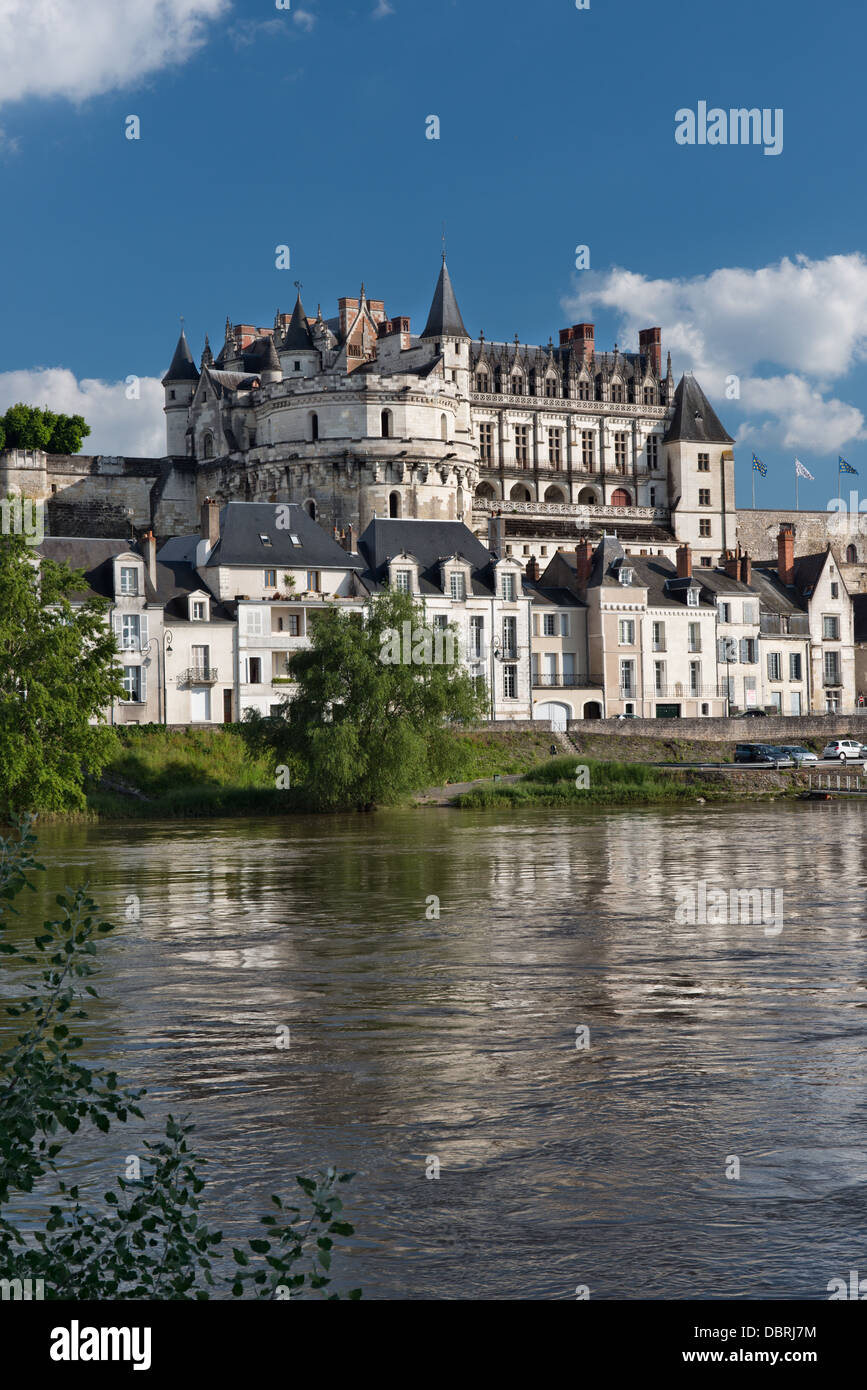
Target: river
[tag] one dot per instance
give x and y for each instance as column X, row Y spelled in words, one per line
column 604, row 1159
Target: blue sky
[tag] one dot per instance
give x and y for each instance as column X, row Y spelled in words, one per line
column 306, row 127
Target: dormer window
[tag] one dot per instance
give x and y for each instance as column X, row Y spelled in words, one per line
column 458, row 586
column 198, row 610
column 692, row 598
column 402, row 581
column 509, row 588
column 129, row 580
column 624, row 574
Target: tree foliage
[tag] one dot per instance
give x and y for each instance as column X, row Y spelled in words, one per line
column 148, row 1238
column 29, row 427
column 359, row 730
column 58, row 670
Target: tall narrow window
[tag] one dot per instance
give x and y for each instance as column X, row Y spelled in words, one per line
column 486, row 441
column 653, row 452
column 555, row 447
column 620, row 451
column 444, row 429
column 394, row 504
column 385, row 420
column 522, row 447
column 314, row 427
column 587, row 450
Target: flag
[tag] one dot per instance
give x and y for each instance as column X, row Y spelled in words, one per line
column 759, row 467
column 803, row 472
column 844, row 467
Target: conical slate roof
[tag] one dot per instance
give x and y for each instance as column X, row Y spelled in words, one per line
column 183, row 367
column 444, row 319
column 261, row 356
column 297, row 334
column 695, row 420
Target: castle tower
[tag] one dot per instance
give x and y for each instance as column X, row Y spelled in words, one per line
column 445, row 331
column 179, row 384
column 299, row 355
column 700, row 459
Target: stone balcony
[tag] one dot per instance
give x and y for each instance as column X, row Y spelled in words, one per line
column 580, row 511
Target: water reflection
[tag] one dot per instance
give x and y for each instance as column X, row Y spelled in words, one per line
column 456, row 1037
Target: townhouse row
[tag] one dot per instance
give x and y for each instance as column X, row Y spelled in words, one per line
column 207, row 624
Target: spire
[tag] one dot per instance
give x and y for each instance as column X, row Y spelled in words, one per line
column 207, row 355
column 695, row 419
column 297, row 334
column 444, row 319
column 183, row 367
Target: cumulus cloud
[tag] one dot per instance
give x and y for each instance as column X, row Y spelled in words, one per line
column 805, row 318
column 118, row 425
column 52, row 49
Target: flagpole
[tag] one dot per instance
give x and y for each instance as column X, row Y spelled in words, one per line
column 754, row 487
column 797, row 508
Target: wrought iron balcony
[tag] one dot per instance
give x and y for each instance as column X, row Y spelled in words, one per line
column 199, row 675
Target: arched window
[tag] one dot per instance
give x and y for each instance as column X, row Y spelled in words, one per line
column 208, row 446
column 385, row 421
column 444, row 428
column 310, row 508
column 520, row 493
column 394, row 504
column 851, row 555
column 554, row 494
column 314, row 427
column 620, row 497
column 485, row 490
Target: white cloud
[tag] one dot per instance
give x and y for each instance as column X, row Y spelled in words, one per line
column 49, row 48
column 808, row 318
column 118, row 425
column 304, row 19
column 382, row 10
column 8, row 144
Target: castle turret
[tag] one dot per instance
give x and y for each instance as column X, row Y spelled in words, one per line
column 445, row 331
column 299, row 355
column 179, row 384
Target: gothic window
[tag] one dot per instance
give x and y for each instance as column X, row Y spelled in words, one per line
column 310, row 508
column 517, row 384
column 617, row 393
column 482, row 381
column 583, row 390
column 208, row 446
column 550, row 386
column 851, row 555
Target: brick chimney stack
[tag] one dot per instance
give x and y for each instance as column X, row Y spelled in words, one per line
column 583, row 561
column 684, row 562
column 150, row 556
column 786, row 553
column 733, row 563
column 532, row 569
column 746, row 569
column 650, row 345
column 210, row 521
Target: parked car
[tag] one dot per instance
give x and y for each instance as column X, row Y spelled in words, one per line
column 843, row 748
column 799, row 754
column 753, row 714
column 763, row 753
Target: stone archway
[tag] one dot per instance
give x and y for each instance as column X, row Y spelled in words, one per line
column 587, row 497
column 519, row 492
column 620, row 498
column 554, row 494
column 486, row 491
column 592, row 710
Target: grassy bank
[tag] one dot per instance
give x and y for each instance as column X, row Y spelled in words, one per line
column 165, row 773
column 627, row 783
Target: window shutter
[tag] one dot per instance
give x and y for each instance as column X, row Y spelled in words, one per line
column 143, row 628
column 143, row 687
column 118, row 628
column 535, row 624
column 720, row 649
column 564, row 624
column 745, row 650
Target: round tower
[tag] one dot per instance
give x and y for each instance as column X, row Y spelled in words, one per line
column 179, row 384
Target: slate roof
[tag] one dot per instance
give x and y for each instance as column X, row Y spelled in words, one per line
column 562, row 598
column 654, row 573
column 694, row 421
column 261, row 356
column 231, row 381
column 298, row 337
column 429, row 542
column 183, row 368
column 176, row 580
column 808, row 569
column 444, row 319
column 242, row 524
column 95, row 555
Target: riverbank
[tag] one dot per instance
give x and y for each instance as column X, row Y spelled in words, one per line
column 163, row 774
column 566, row 781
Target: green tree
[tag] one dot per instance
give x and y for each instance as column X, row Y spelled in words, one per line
column 29, row 427
column 148, row 1239
column 364, row 729
column 2, row 435
column 58, row 671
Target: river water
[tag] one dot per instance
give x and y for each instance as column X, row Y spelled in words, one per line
column 712, row 1046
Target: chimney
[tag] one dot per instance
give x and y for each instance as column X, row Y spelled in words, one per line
column 210, row 521
column 583, row 562
column 150, row 556
column 497, row 534
column 786, row 553
column 583, row 340
column 684, row 562
column 347, row 540
column 650, row 345
column 732, row 563
column 746, row 569
column 532, row 569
